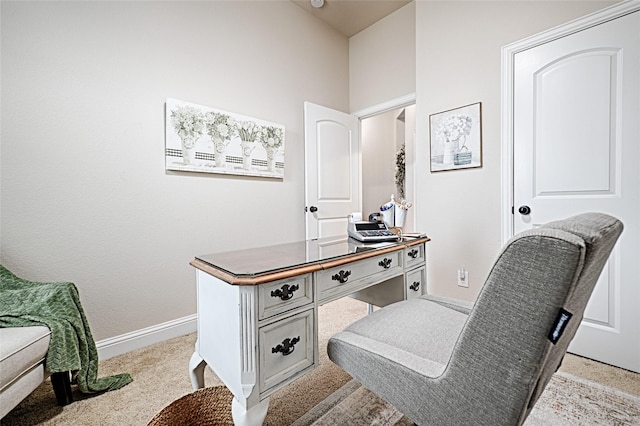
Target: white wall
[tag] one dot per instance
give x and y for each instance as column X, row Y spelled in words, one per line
column 382, row 60
column 458, row 48
column 85, row 196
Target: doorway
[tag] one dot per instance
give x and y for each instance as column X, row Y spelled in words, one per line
column 333, row 136
column 387, row 144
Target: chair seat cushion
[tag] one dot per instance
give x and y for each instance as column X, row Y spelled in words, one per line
column 22, row 348
column 425, row 346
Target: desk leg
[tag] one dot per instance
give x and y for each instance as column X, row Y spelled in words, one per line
column 196, row 371
column 254, row 416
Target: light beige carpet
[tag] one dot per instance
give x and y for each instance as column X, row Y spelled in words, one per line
column 568, row 400
column 161, row 376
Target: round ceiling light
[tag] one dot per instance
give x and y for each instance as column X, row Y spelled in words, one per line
column 317, row 3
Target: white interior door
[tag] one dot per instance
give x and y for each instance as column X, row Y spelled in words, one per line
column 332, row 170
column 576, row 149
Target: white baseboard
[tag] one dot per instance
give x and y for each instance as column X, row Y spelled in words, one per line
column 118, row 345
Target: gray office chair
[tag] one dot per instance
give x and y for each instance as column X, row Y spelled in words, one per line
column 441, row 363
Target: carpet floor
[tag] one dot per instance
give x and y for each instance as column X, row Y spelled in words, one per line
column 568, row 400
column 160, row 374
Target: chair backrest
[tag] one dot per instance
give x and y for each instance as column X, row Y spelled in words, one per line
column 528, row 312
column 600, row 233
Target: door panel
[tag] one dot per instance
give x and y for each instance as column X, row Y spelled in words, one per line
column 332, row 170
column 562, row 104
column 334, row 161
column 576, row 132
column 599, row 310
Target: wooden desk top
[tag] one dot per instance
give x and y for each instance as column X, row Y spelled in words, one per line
column 264, row 264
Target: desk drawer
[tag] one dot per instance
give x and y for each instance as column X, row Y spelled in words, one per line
column 413, row 256
column 345, row 279
column 286, row 349
column 284, row 295
column 416, row 283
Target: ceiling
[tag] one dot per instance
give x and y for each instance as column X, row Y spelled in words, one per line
column 349, row 17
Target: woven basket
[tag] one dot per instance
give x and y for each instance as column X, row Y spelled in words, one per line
column 208, row 406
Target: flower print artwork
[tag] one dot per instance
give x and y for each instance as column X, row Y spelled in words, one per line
column 221, row 128
column 188, row 123
column 249, row 133
column 204, row 139
column 272, row 139
column 456, row 138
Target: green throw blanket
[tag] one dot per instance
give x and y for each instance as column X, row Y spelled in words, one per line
column 56, row 305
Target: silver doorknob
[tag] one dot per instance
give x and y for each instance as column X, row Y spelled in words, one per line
column 524, row 210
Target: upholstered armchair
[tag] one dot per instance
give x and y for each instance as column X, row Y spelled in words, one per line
column 441, row 363
column 23, row 351
column 22, row 370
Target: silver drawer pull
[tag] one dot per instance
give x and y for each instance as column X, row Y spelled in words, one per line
column 385, row 263
column 341, row 276
column 286, row 347
column 415, row 286
column 286, row 292
column 413, row 253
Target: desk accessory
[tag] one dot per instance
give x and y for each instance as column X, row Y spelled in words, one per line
column 370, row 232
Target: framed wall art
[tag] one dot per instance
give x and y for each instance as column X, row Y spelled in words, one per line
column 204, row 139
column 456, row 138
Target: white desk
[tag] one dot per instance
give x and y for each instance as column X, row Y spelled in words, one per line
column 257, row 308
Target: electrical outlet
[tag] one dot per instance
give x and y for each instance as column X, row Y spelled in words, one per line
column 463, row 278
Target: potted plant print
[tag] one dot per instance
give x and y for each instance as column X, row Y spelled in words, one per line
column 249, row 132
column 272, row 139
column 454, row 130
column 189, row 124
column 221, row 128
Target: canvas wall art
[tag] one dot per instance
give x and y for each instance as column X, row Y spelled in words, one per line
column 456, row 138
column 204, row 139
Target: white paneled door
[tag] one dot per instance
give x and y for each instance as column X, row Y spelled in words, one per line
column 332, row 170
column 576, row 148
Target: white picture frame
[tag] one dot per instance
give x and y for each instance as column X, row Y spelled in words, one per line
column 203, row 139
column 456, row 138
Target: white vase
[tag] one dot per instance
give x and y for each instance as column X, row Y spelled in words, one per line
column 450, row 150
column 400, row 216
column 271, row 159
column 220, row 147
column 388, row 217
column 247, row 149
column 188, row 151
